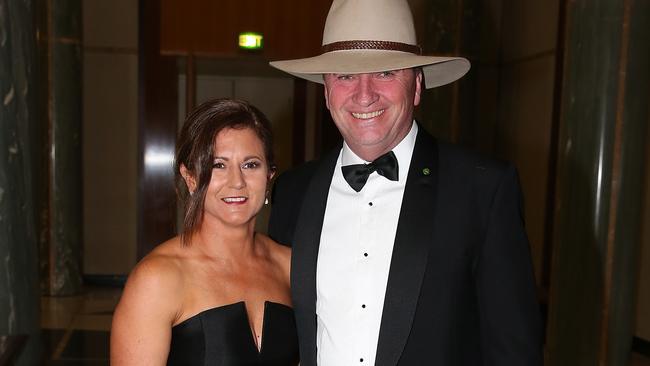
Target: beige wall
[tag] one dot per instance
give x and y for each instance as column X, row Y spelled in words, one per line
column 643, row 304
column 516, row 80
column 109, row 135
column 526, row 105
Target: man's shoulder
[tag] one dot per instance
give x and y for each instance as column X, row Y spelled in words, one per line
column 453, row 156
column 456, row 157
column 466, row 165
column 465, row 174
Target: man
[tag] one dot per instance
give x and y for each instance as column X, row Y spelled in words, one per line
column 406, row 251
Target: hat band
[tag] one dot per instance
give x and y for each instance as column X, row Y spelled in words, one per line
column 371, row 45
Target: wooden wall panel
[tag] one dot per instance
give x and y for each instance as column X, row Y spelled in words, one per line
column 157, row 128
column 291, row 28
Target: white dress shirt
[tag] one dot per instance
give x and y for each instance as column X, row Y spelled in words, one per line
column 356, row 247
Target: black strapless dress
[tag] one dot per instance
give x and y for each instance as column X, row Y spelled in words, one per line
column 222, row 336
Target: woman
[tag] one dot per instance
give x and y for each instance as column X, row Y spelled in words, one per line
column 217, row 294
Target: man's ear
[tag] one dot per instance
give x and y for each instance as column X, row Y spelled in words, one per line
column 189, row 179
column 419, row 76
column 326, row 92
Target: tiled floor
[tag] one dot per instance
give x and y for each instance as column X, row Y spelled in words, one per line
column 76, row 329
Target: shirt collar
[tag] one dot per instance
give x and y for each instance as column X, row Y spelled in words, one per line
column 403, row 151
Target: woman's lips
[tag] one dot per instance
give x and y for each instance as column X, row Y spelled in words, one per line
column 235, row 200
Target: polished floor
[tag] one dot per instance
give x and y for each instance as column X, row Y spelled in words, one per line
column 76, row 329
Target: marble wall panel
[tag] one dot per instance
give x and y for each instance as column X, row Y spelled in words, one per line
column 643, row 300
column 19, row 149
column 598, row 214
column 62, row 272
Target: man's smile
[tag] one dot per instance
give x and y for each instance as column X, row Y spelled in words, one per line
column 368, row 115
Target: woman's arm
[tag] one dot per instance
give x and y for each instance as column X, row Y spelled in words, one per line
column 141, row 329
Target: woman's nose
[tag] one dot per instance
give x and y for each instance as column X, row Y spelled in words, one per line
column 236, row 178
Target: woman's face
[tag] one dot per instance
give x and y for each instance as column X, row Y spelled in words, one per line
column 240, row 176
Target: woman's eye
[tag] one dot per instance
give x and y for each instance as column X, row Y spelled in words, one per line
column 218, row 165
column 251, row 165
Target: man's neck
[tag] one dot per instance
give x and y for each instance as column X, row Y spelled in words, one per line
column 370, row 153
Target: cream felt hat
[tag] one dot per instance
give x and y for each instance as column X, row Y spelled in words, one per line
column 364, row 36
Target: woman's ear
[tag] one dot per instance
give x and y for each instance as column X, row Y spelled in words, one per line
column 271, row 174
column 189, row 179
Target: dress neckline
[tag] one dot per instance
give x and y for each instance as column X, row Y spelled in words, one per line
column 241, row 304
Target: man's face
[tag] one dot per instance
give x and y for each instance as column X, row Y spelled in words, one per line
column 373, row 111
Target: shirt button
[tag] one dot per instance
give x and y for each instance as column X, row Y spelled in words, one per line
column 363, row 306
column 369, row 203
column 365, row 254
column 361, row 360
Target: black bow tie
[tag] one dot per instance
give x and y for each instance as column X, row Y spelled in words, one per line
column 357, row 175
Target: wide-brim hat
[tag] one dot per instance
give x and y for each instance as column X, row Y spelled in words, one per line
column 365, row 36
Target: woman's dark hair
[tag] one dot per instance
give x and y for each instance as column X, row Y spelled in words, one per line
column 195, row 150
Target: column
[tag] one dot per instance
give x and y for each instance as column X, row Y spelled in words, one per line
column 61, row 209
column 19, row 294
column 603, row 119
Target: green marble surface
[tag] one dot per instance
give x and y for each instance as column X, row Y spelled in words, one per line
column 582, row 329
column 19, row 295
column 628, row 216
column 62, row 272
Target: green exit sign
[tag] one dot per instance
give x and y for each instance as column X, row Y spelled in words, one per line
column 250, row 41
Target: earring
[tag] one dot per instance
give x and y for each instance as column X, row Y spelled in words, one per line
column 266, row 201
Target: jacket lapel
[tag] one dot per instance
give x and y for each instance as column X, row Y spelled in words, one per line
column 305, row 253
column 408, row 263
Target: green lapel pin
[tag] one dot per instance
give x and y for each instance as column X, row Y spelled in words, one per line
column 426, row 171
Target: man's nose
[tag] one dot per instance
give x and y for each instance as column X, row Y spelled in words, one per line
column 365, row 93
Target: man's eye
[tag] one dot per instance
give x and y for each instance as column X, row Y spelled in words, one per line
column 344, row 77
column 386, row 74
column 218, row 165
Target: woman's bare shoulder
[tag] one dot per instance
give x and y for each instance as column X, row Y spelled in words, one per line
column 157, row 280
column 163, row 263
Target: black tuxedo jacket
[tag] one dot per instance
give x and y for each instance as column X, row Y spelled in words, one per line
column 461, row 287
